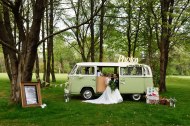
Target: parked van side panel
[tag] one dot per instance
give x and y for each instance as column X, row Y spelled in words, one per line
column 130, row 85
column 148, row 82
column 78, row 82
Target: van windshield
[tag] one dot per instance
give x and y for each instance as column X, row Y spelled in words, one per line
column 73, row 70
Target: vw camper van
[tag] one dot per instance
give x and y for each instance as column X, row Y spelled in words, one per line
column 86, row 80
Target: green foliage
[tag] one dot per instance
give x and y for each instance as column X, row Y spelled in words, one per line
column 64, row 55
column 107, row 70
column 179, row 61
column 112, row 85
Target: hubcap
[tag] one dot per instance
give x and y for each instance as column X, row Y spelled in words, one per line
column 87, row 94
column 136, row 97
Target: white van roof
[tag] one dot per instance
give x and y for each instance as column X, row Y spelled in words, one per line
column 107, row 64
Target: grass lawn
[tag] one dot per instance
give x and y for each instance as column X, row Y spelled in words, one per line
column 74, row 113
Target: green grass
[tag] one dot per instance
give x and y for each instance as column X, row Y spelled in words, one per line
column 74, row 113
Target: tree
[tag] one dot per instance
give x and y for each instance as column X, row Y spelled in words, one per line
column 151, row 39
column 179, row 60
column 126, row 26
column 63, row 58
column 169, row 27
column 92, row 30
column 85, row 43
column 21, row 62
column 50, row 55
column 101, row 27
column 22, row 59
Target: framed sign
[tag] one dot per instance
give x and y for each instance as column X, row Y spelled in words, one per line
column 30, row 94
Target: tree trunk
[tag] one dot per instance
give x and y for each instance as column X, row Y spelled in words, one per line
column 166, row 7
column 101, row 32
column 137, row 32
column 48, row 67
column 48, row 62
column 62, row 66
column 129, row 28
column 9, row 32
column 44, row 54
column 92, row 31
column 4, row 35
column 37, row 71
column 163, row 65
column 7, row 63
column 51, row 41
column 164, row 35
column 52, row 69
column 149, row 33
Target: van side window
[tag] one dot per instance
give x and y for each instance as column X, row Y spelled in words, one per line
column 139, row 70
column 84, row 70
column 131, row 70
column 147, row 71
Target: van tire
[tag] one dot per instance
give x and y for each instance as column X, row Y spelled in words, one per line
column 87, row 93
column 136, row 97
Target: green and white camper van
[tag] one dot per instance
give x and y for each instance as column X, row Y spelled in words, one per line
column 85, row 79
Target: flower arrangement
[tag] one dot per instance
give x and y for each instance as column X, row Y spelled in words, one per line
column 67, row 92
column 66, row 95
column 172, row 102
column 164, row 101
column 112, row 85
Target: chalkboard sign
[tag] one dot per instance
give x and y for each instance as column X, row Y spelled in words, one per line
column 30, row 94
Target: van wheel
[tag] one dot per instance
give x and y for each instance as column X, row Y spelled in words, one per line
column 87, row 93
column 136, row 97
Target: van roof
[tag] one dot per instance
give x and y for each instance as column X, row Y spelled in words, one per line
column 108, row 64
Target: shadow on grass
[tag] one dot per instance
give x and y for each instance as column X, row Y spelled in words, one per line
column 125, row 97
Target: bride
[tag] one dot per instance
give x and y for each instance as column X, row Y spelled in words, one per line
column 111, row 95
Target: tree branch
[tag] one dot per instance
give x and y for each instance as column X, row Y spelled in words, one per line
column 8, row 3
column 180, row 14
column 63, row 30
column 8, row 46
column 73, row 47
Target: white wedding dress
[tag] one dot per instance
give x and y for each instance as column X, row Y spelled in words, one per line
column 108, row 97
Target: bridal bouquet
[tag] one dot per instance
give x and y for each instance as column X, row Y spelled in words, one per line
column 112, row 85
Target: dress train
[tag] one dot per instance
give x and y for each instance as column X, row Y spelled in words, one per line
column 108, row 97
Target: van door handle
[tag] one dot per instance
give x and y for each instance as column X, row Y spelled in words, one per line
column 122, row 80
column 80, row 77
column 122, row 83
